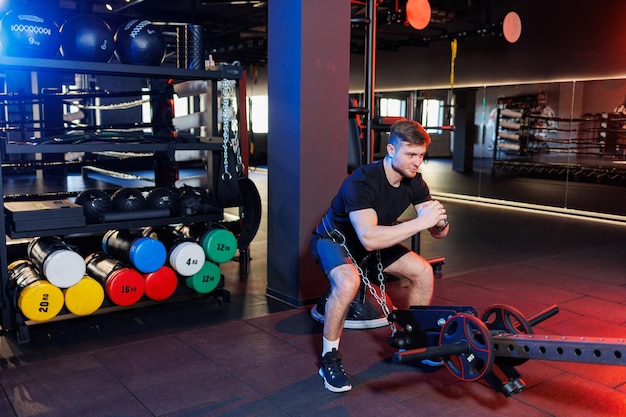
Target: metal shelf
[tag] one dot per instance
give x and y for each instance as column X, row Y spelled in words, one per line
column 218, row 72
column 213, row 144
column 104, row 227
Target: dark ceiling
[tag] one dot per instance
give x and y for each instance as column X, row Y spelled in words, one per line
column 236, row 30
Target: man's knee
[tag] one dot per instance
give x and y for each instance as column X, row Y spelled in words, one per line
column 345, row 277
column 411, row 266
column 425, row 268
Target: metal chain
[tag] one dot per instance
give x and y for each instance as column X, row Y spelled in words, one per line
column 226, row 126
column 236, row 145
column 382, row 298
column 229, row 123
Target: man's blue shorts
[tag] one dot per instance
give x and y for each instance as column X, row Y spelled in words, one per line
column 328, row 253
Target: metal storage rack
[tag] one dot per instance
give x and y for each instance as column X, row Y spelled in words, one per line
column 11, row 319
column 511, row 127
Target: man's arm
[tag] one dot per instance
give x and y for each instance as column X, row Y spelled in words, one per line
column 374, row 236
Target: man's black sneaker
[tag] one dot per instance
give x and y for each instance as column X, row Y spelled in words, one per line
column 364, row 312
column 335, row 378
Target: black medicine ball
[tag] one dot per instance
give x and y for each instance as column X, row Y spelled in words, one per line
column 87, row 38
column 139, row 42
column 28, row 35
column 162, row 198
column 95, row 202
column 128, row 199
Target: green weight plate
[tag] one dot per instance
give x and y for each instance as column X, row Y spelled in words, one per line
column 219, row 245
column 206, row 280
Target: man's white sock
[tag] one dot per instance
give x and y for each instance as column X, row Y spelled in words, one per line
column 328, row 345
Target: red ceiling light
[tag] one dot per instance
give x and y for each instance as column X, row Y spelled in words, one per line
column 418, row 13
column 512, row 27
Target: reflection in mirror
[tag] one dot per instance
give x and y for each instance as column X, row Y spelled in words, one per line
column 558, row 145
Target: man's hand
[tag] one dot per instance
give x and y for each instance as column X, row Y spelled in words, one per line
column 432, row 212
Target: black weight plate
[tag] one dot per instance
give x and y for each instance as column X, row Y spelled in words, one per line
column 251, row 212
column 475, row 364
column 507, row 319
column 502, row 317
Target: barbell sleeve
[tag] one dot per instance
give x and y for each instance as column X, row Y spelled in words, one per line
column 543, row 315
column 431, row 352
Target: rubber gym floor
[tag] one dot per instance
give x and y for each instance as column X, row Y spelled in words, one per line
column 258, row 357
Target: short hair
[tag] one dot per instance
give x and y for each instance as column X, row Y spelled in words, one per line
column 409, row 131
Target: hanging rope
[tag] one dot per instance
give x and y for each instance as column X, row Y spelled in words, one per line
column 453, row 45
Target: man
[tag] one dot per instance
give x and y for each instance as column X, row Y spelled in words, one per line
column 360, row 231
column 545, row 124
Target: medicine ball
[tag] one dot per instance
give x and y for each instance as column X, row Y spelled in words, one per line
column 139, row 42
column 86, row 38
column 28, row 35
column 95, row 202
column 188, row 202
column 128, row 199
column 162, row 198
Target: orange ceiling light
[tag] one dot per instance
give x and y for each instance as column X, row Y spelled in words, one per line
column 512, row 27
column 418, row 13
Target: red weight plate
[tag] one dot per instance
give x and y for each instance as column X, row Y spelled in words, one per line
column 125, row 286
column 161, row 283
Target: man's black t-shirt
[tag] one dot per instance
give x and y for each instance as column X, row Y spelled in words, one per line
column 367, row 187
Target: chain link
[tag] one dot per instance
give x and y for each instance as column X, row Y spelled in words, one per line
column 380, row 298
column 229, row 123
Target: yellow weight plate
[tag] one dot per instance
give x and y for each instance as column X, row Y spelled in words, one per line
column 85, row 297
column 40, row 301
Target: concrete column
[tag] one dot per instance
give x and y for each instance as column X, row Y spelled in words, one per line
column 308, row 81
